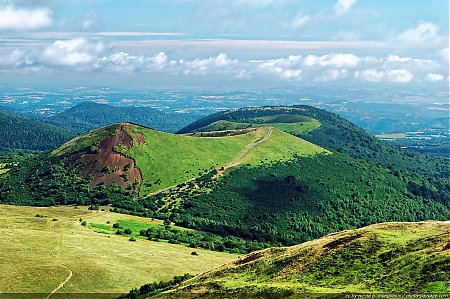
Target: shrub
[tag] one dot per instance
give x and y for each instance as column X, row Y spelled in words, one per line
column 84, row 223
column 194, row 253
column 127, row 231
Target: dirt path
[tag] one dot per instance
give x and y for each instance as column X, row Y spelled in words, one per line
column 239, row 157
column 61, row 257
column 228, row 165
column 170, row 187
column 62, row 284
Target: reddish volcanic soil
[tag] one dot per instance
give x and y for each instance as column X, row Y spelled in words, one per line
column 140, row 138
column 107, row 167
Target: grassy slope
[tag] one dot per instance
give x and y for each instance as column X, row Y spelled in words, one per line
column 194, row 156
column 390, row 257
column 336, row 134
column 83, row 141
column 294, row 124
column 35, row 253
column 174, row 159
column 281, row 147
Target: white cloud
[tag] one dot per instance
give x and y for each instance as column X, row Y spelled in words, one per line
column 342, row 6
column 12, row 18
column 434, row 77
column 218, row 63
column 331, row 75
column 334, row 60
column 400, row 76
column 124, row 62
column 425, row 32
column 73, row 52
column 283, row 68
column 16, row 59
column 396, row 58
column 371, row 75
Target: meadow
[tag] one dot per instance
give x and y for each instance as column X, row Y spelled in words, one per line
column 187, row 156
column 41, row 246
column 398, row 258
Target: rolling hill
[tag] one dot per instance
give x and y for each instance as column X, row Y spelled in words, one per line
column 262, row 183
column 334, row 133
column 382, row 258
column 25, row 133
column 158, row 160
column 88, row 116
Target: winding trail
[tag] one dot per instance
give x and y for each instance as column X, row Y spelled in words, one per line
column 228, row 165
column 61, row 257
column 62, row 284
column 239, row 157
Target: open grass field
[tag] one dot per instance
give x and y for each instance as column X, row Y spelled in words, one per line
column 39, row 253
column 382, row 258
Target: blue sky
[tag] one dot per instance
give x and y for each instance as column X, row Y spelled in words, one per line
column 348, row 42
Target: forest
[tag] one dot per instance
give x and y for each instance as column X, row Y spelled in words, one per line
column 26, row 133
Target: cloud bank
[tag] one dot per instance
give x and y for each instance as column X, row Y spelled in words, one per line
column 83, row 56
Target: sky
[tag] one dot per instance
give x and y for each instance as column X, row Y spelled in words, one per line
column 165, row 43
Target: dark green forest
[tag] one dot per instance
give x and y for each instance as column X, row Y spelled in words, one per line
column 25, row 133
column 87, row 116
column 42, row 180
column 306, row 198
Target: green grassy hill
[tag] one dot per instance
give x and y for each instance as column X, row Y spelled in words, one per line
column 327, row 130
column 165, row 160
column 381, row 258
column 291, row 123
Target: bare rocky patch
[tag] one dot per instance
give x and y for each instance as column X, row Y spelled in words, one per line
column 107, row 166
